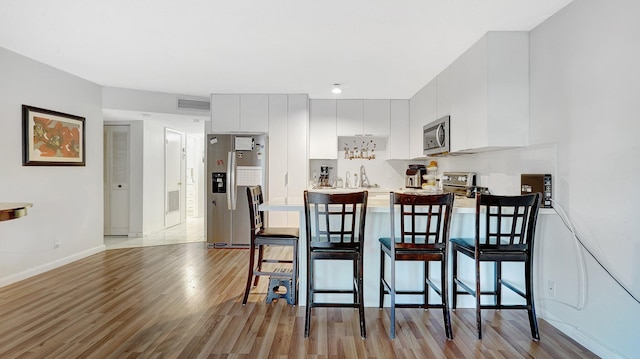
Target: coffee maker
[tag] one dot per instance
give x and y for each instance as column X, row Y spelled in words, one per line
column 413, row 177
column 323, row 181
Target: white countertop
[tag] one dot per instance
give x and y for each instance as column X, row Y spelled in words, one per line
column 375, row 203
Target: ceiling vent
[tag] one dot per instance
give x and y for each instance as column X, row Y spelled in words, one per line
column 191, row 104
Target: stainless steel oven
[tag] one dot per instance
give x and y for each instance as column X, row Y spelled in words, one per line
column 436, row 137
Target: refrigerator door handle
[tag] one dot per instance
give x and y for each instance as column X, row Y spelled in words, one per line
column 231, row 174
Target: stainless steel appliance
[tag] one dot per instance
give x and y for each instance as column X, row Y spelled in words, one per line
column 324, row 177
column 436, row 137
column 234, row 162
column 458, row 183
column 413, row 176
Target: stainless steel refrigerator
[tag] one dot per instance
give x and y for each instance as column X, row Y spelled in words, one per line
column 234, row 162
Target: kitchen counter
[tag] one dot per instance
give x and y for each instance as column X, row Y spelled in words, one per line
column 376, row 202
column 378, row 225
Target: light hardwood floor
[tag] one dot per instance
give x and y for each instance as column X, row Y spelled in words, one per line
column 184, row 301
column 191, row 230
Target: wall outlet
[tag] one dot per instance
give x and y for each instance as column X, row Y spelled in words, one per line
column 57, row 243
column 551, row 289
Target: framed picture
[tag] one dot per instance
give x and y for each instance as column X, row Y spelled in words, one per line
column 51, row 138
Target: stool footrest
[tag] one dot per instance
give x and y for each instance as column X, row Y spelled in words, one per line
column 274, row 283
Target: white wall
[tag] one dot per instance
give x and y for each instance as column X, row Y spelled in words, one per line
column 585, row 91
column 153, row 177
column 67, row 201
column 148, row 101
column 584, row 125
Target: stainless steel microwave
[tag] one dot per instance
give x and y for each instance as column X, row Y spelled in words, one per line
column 436, row 137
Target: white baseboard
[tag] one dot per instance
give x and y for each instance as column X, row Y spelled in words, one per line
column 585, row 339
column 49, row 266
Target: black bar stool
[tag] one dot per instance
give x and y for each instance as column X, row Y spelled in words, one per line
column 505, row 230
column 424, row 222
column 269, row 236
column 335, row 231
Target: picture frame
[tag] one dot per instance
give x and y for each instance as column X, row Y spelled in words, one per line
column 51, row 138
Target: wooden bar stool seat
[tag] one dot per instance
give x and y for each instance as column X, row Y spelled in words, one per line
column 262, row 237
column 335, row 232
column 422, row 225
column 505, row 231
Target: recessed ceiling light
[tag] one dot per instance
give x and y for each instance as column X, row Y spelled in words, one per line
column 336, row 89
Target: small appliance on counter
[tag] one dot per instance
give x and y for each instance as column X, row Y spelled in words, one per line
column 473, row 190
column 531, row 183
column 461, row 183
column 413, row 176
column 323, row 181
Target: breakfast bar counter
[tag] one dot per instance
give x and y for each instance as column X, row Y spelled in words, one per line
column 377, row 225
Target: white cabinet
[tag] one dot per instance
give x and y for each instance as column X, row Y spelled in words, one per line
column 458, row 120
column 254, row 113
column 377, row 117
column 225, row 113
column 350, row 115
column 297, row 163
column 323, row 139
column 490, row 94
column 443, row 93
column 288, row 118
column 347, row 118
column 398, row 146
column 422, row 108
column 278, row 149
column 239, row 113
column 363, row 117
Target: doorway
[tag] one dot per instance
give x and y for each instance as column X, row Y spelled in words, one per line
column 116, row 180
column 174, row 155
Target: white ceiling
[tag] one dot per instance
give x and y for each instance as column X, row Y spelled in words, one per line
column 374, row 48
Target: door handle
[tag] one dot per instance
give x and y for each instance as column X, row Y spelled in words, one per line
column 231, row 175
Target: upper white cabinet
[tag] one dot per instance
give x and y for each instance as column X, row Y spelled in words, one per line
column 239, row 113
column 329, row 119
column 323, row 139
column 377, row 117
column 422, row 107
column 350, row 114
column 225, row 113
column 363, row 117
column 443, row 93
column 489, row 98
column 254, row 113
column 458, row 104
column 398, row 146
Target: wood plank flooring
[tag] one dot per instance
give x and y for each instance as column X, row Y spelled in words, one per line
column 184, row 301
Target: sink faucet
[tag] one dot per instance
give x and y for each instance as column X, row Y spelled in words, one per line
column 364, row 179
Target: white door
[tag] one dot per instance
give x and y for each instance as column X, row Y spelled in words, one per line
column 173, row 156
column 116, row 180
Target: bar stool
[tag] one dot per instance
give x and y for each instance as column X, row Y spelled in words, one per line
column 424, row 222
column 270, row 236
column 505, row 231
column 335, row 231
